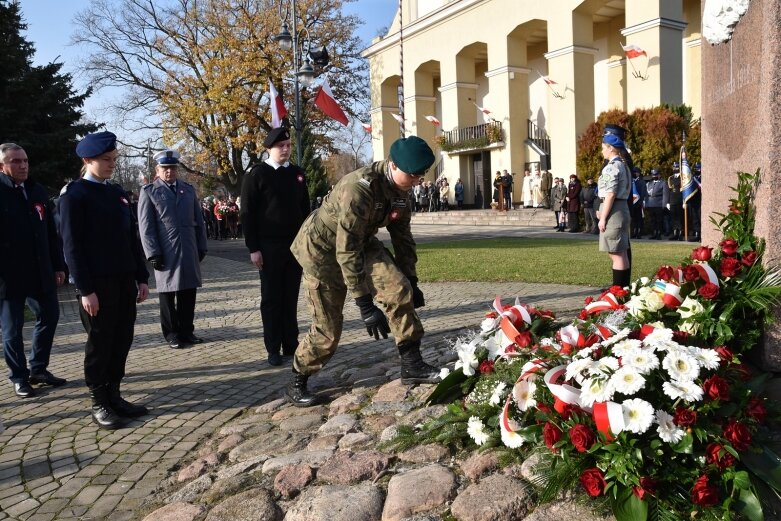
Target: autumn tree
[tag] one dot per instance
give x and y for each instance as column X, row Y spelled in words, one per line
column 200, row 69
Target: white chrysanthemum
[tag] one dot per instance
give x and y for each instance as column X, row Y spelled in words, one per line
column 681, row 366
column 550, row 342
column 657, row 336
column 643, row 360
column 627, row 380
column 467, row 361
column 638, row 415
column 489, row 324
column 707, row 358
column 523, row 394
column 577, row 367
column 476, row 430
column 510, row 437
column 595, row 390
column 668, row 431
column 690, row 307
column 687, row 391
column 603, row 366
column 619, row 336
column 584, row 353
column 623, row 347
column 443, row 373
column 499, row 393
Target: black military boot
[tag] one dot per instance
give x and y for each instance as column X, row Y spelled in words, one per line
column 413, row 369
column 122, row 406
column 102, row 413
column 298, row 394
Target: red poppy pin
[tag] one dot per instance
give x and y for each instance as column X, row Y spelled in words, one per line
column 41, row 210
column 300, row 178
column 394, row 215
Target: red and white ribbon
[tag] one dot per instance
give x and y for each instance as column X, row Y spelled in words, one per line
column 563, row 394
column 532, row 367
column 608, row 302
column 609, row 418
column 604, row 331
column 706, row 273
column 672, row 295
column 508, row 426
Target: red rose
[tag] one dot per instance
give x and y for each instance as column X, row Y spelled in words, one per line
column 716, row 388
column 681, row 337
column 703, row 253
column 684, row 417
column 742, row 370
column 729, row 246
column 583, row 315
column 491, row 314
column 722, row 461
column 756, row 409
column 690, row 273
column 618, row 291
column 665, row 273
column 647, row 486
column 524, row 339
column 709, row 291
column 582, row 437
column 738, row 435
column 593, row 481
column 551, row 434
column 588, row 300
column 543, row 408
column 568, row 409
column 486, row 366
column 724, row 353
column 730, row 266
column 705, row 494
column 749, row 258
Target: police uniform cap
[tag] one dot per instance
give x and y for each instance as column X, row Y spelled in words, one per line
column 636, row 170
column 412, row 155
column 275, row 136
column 654, row 172
column 93, row 145
column 167, row 157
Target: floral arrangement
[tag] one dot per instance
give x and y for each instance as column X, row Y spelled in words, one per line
column 643, row 401
column 228, row 210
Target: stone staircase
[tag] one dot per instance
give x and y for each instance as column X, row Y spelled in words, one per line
column 518, row 217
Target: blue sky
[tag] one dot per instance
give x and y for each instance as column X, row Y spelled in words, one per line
column 50, row 26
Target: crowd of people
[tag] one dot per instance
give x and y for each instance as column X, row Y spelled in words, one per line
column 436, row 196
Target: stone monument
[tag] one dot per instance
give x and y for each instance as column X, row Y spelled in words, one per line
column 741, row 123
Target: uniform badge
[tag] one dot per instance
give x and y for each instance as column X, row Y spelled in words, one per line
column 394, row 215
column 399, row 202
column 300, row 178
column 124, row 201
column 378, row 206
column 41, row 210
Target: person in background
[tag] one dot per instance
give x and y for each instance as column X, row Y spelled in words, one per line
column 526, row 190
column 459, row 193
column 675, row 203
column 31, row 269
column 587, row 196
column 546, row 185
column 693, row 205
column 537, row 197
column 655, row 202
column 173, row 236
column 444, row 195
column 507, row 186
column 103, row 253
column 639, row 195
column 615, row 190
column 558, row 194
column 497, row 191
column 573, row 203
column 275, row 202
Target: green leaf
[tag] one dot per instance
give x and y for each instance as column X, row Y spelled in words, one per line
column 742, row 480
column 685, row 446
column 443, row 391
column 766, row 465
column 748, row 505
column 628, row 507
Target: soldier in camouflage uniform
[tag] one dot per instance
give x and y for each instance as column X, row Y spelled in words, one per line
column 338, row 250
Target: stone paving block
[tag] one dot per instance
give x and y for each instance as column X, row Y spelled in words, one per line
column 52, row 505
column 88, row 495
column 71, row 488
column 103, row 506
column 17, row 509
column 40, row 491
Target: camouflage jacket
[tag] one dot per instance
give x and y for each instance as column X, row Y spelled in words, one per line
column 345, row 227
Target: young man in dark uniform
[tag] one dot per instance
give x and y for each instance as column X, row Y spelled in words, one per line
column 104, row 256
column 31, row 269
column 274, row 204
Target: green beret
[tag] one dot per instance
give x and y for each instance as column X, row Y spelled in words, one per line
column 412, row 155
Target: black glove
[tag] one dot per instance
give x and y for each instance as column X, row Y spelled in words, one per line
column 373, row 317
column 201, row 255
column 418, row 301
column 157, row 262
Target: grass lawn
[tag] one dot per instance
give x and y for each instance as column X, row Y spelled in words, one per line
column 538, row 260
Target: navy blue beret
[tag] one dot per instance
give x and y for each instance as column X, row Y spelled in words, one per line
column 620, row 132
column 93, row 145
column 275, row 136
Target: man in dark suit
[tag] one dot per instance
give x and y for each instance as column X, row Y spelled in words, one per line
column 31, row 268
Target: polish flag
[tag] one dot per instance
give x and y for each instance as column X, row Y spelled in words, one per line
column 278, row 110
column 367, row 127
column 548, row 81
column 325, row 101
column 398, row 118
column 433, row 120
column 633, row 51
column 482, row 109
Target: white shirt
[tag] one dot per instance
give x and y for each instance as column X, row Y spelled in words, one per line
column 276, row 165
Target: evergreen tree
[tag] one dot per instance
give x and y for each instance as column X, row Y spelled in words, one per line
column 39, row 108
column 316, row 179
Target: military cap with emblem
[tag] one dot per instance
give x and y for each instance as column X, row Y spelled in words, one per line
column 93, row 145
column 275, row 136
column 412, row 155
column 167, row 157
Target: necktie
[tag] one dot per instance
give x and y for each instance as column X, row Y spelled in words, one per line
column 22, row 191
column 173, row 188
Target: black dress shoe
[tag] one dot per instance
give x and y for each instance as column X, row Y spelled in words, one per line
column 175, row 343
column 46, row 378
column 275, row 359
column 192, row 339
column 23, row 390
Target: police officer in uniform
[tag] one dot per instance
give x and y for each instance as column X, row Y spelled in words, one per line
column 675, row 203
column 693, row 205
column 655, row 202
column 274, row 204
column 103, row 253
column 339, row 251
column 636, row 208
column 173, row 234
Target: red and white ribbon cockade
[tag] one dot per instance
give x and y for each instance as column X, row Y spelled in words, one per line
column 706, row 273
column 672, row 295
column 571, row 339
column 607, row 302
column 512, row 318
column 563, row 394
column 609, row 418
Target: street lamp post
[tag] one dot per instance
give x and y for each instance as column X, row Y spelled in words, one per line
column 303, row 76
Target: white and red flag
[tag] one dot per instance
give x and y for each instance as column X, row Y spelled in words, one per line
column 398, row 118
column 483, row 109
column 433, row 120
column 325, row 101
column 548, row 81
column 278, row 110
column 367, row 127
column 633, row 51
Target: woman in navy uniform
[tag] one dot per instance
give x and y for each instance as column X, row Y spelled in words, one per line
column 103, row 253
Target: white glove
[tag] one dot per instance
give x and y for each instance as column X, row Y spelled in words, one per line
column 668, row 206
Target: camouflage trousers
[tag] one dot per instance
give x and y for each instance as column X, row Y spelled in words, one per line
column 325, row 293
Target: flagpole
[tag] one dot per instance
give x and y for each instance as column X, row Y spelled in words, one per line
column 297, row 87
column 685, row 206
column 401, row 70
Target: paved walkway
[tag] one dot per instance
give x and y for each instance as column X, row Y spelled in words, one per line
column 56, row 464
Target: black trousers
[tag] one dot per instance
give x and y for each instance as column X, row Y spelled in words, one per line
column 636, row 211
column 177, row 312
column 693, row 219
column 676, row 216
column 280, row 280
column 573, row 220
column 110, row 332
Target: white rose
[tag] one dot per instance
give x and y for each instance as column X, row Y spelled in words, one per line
column 653, row 302
column 690, row 307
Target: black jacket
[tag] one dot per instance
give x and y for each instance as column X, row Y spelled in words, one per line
column 30, row 250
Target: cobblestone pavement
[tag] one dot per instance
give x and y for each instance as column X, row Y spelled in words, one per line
column 56, row 464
